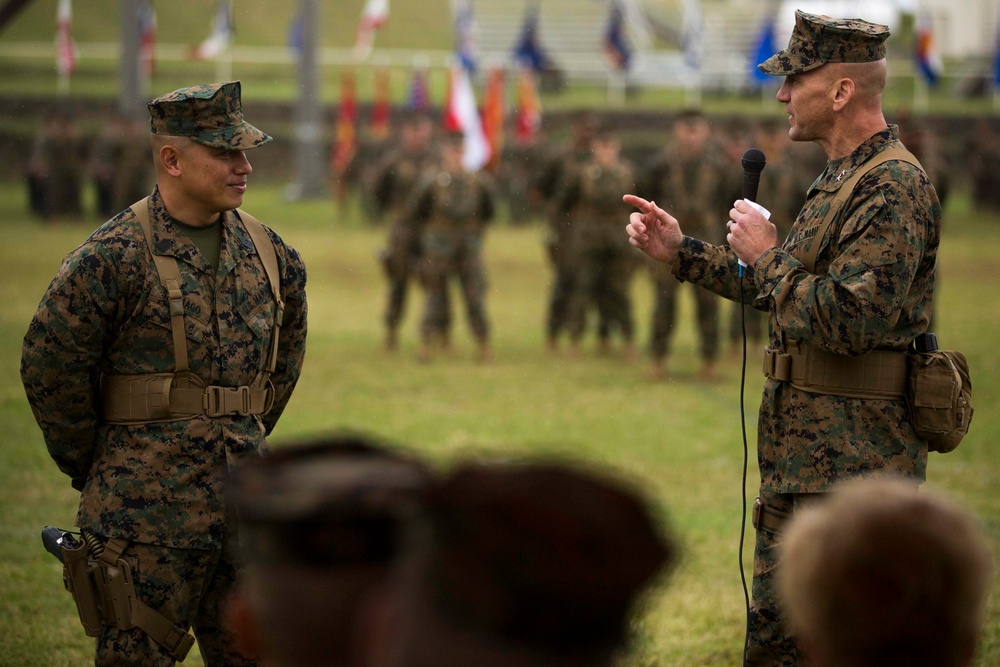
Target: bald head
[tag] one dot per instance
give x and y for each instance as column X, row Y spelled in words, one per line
column 869, row 80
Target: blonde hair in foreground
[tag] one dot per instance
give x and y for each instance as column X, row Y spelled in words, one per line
column 881, row 574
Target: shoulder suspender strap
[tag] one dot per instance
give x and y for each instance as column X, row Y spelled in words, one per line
column 170, row 278
column 844, row 194
column 265, row 250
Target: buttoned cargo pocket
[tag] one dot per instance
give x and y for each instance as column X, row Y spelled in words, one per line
column 256, row 307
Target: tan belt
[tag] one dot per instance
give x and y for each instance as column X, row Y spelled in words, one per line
column 879, row 374
column 152, row 397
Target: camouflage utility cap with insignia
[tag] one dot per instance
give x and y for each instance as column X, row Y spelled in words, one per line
column 817, row 40
column 210, row 114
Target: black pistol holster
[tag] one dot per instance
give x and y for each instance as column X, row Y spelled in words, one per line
column 100, row 581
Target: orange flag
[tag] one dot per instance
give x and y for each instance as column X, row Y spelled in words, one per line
column 493, row 116
column 346, row 142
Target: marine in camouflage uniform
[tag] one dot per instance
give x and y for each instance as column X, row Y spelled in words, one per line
column 563, row 166
column 157, row 481
column 871, row 290
column 453, row 207
column 693, row 178
column 604, row 262
column 56, row 168
column 395, row 180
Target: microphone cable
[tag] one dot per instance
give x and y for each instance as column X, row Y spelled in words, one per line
column 746, row 460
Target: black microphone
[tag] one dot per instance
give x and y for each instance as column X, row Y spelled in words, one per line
column 753, row 164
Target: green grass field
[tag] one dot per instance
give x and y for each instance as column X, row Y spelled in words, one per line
column 679, row 440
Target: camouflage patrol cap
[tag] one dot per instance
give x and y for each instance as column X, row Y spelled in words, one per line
column 817, row 40
column 210, row 114
column 327, row 503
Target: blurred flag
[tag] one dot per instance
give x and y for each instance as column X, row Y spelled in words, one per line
column 461, row 114
column 465, row 28
column 691, row 34
column 615, row 49
column 147, row 38
column 996, row 61
column 529, row 109
column 925, row 51
column 528, row 52
column 762, row 49
column 345, row 140
column 493, row 116
column 65, row 47
column 222, row 33
column 373, row 16
column 295, row 34
column 418, row 98
column 378, row 125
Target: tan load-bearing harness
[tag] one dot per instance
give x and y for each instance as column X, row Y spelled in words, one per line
column 879, row 374
column 158, row 397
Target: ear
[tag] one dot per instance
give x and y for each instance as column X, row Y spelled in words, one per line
column 170, row 157
column 843, row 91
column 243, row 625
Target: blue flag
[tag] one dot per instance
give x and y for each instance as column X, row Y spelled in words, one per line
column 528, row 52
column 615, row 49
column 762, row 49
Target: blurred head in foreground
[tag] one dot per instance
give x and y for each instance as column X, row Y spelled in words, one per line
column 522, row 564
column 319, row 526
column 881, row 575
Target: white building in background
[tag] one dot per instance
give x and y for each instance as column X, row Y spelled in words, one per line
column 963, row 28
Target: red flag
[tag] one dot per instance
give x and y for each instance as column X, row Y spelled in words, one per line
column 65, row 48
column 378, row 126
column 529, row 108
column 493, row 117
column 346, row 139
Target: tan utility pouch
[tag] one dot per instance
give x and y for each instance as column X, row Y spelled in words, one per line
column 939, row 394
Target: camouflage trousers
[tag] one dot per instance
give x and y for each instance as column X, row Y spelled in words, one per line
column 559, row 297
column 602, row 278
column 399, row 259
column 664, row 316
column 189, row 587
column 769, row 643
column 436, row 269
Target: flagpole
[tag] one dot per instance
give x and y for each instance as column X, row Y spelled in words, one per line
column 130, row 89
column 309, row 111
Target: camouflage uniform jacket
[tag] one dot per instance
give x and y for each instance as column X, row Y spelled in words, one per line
column 695, row 188
column 452, row 210
column 105, row 313
column 872, row 289
column 592, row 196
